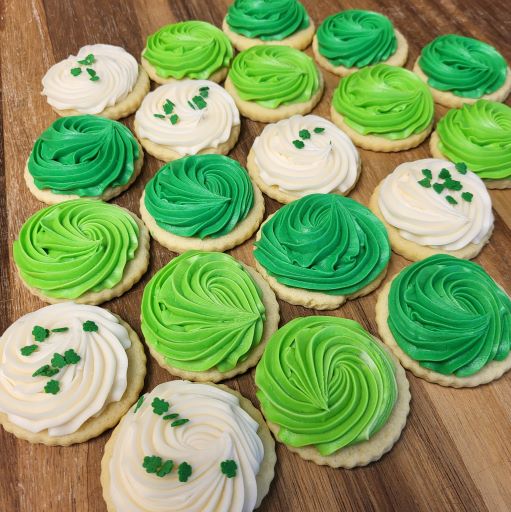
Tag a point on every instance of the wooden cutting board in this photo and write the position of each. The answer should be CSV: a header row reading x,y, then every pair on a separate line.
x,y
455,452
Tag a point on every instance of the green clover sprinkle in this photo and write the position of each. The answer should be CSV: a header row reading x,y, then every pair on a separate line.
x,y
467,196
90,59
168,107
174,118
438,187
304,134
200,102
427,173
71,356
204,91
424,183
160,406
159,116
60,329
298,144
45,371
318,129
140,401
40,333
444,174
170,416
58,361
26,351
184,471
93,76
178,423
451,184
90,326
76,71
52,386
152,463
191,104
451,200
461,167
229,468
165,468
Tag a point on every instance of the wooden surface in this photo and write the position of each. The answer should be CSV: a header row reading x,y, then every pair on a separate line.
x,y
455,452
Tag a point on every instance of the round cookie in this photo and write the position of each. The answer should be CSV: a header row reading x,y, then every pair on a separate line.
x,y
303,155
204,202
480,135
100,79
224,455
187,117
383,108
188,49
271,82
85,251
321,250
432,206
83,156
352,39
331,392
461,70
207,317
68,372
447,322
284,22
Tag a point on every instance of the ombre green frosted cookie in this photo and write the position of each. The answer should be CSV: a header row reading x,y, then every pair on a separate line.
x,y
331,392
83,250
207,317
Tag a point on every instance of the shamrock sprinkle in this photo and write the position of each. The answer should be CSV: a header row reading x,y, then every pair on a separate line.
x,y
58,361
178,423
451,184
318,129
298,144
304,134
424,183
60,329
199,102
160,406
90,326
71,356
444,174
451,200
26,351
52,386
165,468
461,167
40,333
184,471
438,187
90,59
170,416
467,196
159,116
229,468
93,76
45,371
140,401
168,107
174,118
204,91
427,173
154,464
76,71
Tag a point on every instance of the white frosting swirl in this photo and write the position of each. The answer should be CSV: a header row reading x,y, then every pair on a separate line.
x,y
328,161
196,129
425,217
117,71
85,388
219,429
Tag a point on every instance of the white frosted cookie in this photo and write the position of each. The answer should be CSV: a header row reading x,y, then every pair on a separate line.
x,y
433,206
67,373
100,79
192,448
303,155
187,117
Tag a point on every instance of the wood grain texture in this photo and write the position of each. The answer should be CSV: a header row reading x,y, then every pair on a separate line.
x,y
454,454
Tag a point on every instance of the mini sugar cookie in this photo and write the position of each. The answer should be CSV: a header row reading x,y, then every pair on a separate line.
x,y
321,250
432,206
84,250
189,49
447,321
271,82
303,155
68,372
187,117
462,70
194,446
383,108
331,392
83,156
480,135
285,22
204,202
100,79
207,317
352,39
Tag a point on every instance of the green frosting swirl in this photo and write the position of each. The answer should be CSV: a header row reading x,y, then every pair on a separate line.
x,y
386,101
83,155
268,20
189,49
325,382
201,311
75,247
200,196
464,66
355,38
274,75
325,243
480,135
449,315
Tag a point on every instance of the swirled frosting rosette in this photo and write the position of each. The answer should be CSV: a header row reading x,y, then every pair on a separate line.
x,y
189,49
321,249
83,156
83,250
480,135
216,456
447,321
326,385
207,317
67,373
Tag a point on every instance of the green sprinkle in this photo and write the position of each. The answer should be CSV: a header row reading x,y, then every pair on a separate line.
x,y
90,326
71,356
26,351
451,200
229,468
152,463
191,105
58,361
170,416
444,174
304,134
467,196
319,130
453,184
159,116
298,144
424,183
76,71
200,102
174,118
90,59
165,468
93,76
204,91
184,471
168,107
40,333
438,187
140,401
178,423
160,406
60,329
427,173
52,386
461,167
45,371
